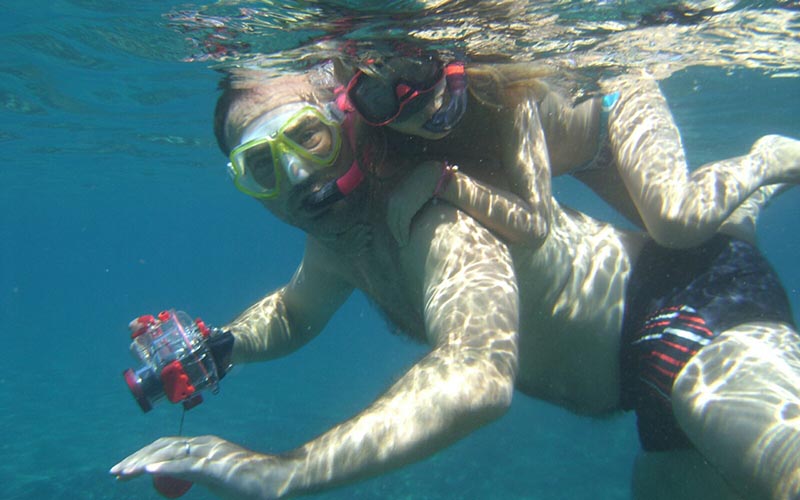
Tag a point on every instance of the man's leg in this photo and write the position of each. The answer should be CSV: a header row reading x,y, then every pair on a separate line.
x,y
738,401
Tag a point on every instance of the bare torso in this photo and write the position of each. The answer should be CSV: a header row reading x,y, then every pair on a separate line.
x,y
571,303
572,296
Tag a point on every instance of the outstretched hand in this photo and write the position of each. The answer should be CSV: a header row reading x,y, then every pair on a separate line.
x,y
226,469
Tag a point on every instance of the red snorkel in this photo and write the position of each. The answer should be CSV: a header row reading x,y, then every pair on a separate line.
x,y
350,180
337,189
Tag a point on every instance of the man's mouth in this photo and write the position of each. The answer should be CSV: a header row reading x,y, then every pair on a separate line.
x,y
319,197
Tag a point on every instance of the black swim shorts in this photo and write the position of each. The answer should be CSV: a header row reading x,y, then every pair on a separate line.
x,y
678,301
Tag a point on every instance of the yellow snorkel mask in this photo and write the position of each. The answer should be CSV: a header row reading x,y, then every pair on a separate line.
x,y
290,142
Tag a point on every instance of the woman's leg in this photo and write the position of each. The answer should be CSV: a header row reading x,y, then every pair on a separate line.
x,y
741,223
679,207
738,401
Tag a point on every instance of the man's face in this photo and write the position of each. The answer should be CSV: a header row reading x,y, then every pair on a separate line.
x,y
287,152
325,223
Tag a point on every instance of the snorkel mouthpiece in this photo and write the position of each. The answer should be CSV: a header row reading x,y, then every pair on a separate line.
x,y
328,194
336,189
447,117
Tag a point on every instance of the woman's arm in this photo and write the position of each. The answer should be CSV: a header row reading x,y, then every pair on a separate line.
x,y
521,217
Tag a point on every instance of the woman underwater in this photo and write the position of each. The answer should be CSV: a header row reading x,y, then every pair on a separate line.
x,y
624,145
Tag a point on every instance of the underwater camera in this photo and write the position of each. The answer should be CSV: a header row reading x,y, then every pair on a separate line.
x,y
176,357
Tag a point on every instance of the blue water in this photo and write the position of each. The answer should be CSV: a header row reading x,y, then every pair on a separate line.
x,y
114,203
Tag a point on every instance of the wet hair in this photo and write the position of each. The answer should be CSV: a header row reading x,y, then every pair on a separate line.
x,y
249,92
221,112
494,84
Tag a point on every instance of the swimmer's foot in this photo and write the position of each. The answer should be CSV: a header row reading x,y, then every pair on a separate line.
x,y
782,157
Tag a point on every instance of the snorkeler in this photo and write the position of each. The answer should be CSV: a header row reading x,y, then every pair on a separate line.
x,y
624,145
734,400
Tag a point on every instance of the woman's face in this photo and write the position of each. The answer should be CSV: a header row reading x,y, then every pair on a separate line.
x,y
412,122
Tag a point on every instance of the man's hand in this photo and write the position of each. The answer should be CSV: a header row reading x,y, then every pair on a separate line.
x,y
227,470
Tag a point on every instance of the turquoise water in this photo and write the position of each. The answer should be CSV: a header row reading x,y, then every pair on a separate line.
x,y
115,203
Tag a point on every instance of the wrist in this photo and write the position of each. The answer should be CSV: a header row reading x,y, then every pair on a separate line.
x,y
448,172
220,343
271,476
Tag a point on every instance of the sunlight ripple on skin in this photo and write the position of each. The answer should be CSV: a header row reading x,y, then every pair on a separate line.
x,y
687,206
720,378
465,280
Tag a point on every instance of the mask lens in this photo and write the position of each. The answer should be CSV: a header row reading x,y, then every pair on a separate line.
x,y
312,137
380,98
374,99
254,169
259,165
422,75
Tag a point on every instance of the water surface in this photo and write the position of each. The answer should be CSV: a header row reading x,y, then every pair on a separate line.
x,y
114,202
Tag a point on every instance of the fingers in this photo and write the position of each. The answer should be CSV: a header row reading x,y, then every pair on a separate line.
x,y
403,206
409,198
153,457
354,240
363,237
179,468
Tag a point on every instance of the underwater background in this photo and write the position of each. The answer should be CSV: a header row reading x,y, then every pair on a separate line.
x,y
114,202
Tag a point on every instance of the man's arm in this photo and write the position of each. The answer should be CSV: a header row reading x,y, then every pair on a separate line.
x,y
464,382
463,279
291,316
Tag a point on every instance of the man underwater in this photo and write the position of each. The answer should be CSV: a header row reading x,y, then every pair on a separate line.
x,y
554,329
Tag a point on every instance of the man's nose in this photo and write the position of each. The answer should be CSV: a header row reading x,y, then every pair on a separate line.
x,y
296,169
